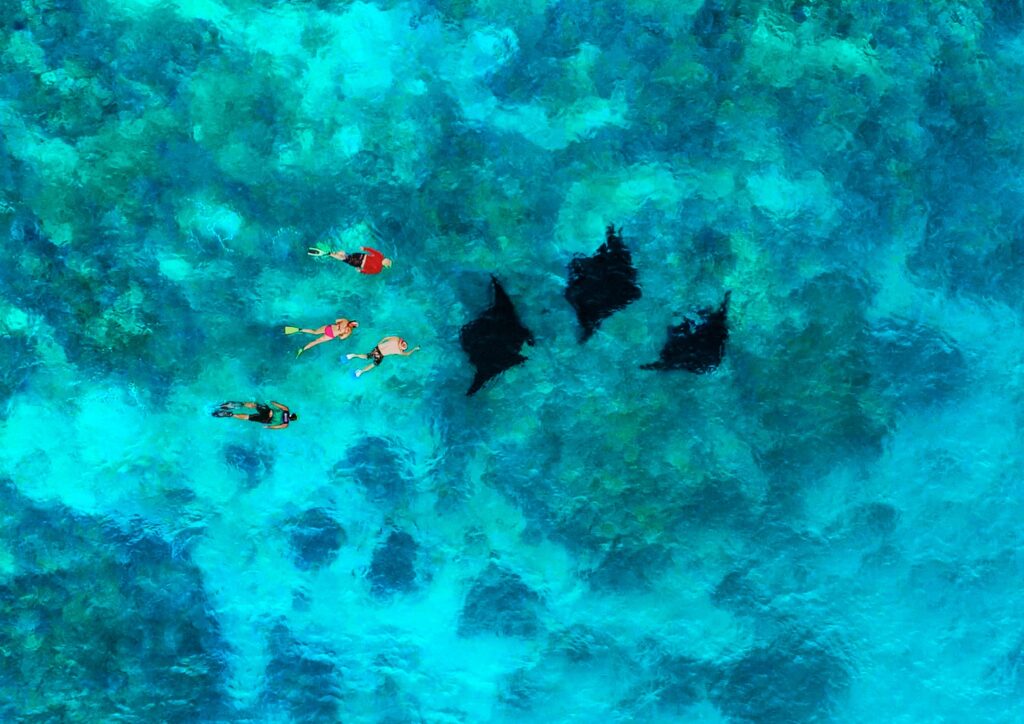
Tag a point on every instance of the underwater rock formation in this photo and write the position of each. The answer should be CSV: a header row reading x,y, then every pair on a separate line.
x,y
380,466
627,567
109,621
602,284
500,603
17,359
301,684
794,679
315,538
493,340
393,567
695,346
253,462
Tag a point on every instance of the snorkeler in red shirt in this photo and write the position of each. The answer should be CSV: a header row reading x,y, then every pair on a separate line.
x,y
368,261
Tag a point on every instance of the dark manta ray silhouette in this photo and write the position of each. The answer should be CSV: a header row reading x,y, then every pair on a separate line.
x,y
493,339
695,346
602,284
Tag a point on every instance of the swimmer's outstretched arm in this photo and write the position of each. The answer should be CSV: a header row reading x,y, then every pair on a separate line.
x,y
275,427
279,406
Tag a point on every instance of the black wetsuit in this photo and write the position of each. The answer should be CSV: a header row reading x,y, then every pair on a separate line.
x,y
263,415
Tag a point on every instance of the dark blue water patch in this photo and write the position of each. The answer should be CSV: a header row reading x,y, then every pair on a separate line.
x,y
393,566
115,621
389,702
627,61
914,365
255,462
1007,15
737,592
315,539
380,466
710,22
149,339
628,567
499,602
671,685
301,682
868,529
17,360
717,502
517,690
795,679
539,497
581,643
807,384
713,251
572,22
525,77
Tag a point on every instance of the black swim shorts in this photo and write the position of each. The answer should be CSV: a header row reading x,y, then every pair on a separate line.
x,y
355,259
376,355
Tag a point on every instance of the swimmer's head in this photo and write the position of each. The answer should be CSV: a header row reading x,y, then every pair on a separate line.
x,y
386,263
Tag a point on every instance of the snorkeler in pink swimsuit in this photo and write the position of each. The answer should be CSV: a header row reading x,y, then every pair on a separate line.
x,y
341,329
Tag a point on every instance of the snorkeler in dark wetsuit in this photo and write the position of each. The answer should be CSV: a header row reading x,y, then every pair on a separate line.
x,y
264,413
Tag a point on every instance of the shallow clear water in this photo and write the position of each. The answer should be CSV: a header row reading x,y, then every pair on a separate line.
x,y
827,527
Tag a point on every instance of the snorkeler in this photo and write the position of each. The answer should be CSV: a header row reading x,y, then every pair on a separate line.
x,y
341,329
264,413
387,346
367,261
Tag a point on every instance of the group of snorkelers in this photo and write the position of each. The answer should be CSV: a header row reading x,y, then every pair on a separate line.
x,y
276,416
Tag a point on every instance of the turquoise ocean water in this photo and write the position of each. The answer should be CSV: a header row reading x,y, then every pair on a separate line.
x,y
828,527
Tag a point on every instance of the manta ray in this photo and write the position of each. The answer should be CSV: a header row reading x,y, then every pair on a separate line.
x,y
493,339
695,346
602,284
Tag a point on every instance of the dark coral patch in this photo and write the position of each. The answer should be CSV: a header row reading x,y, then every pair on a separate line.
x,y
315,538
393,568
105,620
380,466
302,684
499,602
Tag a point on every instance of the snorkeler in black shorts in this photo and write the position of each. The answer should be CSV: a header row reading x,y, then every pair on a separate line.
x,y
264,413
387,346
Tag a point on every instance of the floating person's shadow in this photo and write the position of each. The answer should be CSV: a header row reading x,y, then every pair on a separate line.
x,y
696,345
602,284
494,339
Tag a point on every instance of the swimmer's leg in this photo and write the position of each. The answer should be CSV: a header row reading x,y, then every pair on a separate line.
x,y
314,343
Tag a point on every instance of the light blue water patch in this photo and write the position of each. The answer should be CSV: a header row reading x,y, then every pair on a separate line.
x,y
824,526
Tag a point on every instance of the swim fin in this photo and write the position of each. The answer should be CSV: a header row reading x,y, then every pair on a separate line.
x,y
299,353
222,413
313,251
291,330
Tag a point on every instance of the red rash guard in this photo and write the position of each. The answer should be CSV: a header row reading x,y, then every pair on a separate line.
x,y
373,262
